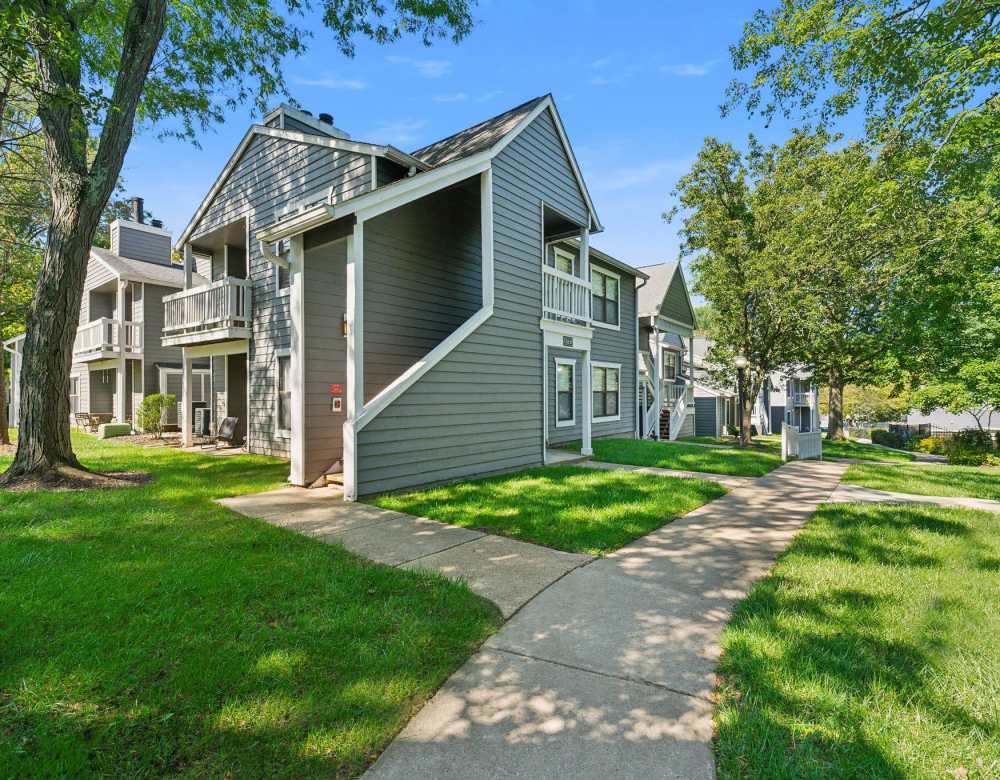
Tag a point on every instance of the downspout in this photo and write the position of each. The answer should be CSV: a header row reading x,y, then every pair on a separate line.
x,y
639,405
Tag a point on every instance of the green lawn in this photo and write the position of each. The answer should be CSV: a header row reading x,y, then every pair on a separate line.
x,y
831,449
869,652
566,507
150,632
970,481
688,457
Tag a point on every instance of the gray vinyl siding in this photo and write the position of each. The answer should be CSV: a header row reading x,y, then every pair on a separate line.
x,y
422,281
618,346
777,418
675,303
706,416
574,432
479,410
325,354
153,351
142,245
271,172
102,390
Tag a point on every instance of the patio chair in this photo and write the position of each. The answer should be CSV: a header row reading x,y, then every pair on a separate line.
x,y
82,420
226,432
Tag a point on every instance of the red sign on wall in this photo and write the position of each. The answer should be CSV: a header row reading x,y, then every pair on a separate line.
x,y
336,389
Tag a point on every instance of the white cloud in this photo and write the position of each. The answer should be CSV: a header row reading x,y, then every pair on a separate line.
x,y
653,171
605,81
331,82
602,62
452,97
401,133
487,96
689,68
429,69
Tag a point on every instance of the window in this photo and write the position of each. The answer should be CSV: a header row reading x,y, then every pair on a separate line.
x,y
565,261
604,385
284,380
604,288
74,394
283,279
565,393
671,364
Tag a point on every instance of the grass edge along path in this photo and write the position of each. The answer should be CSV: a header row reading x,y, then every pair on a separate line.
x,y
570,508
149,631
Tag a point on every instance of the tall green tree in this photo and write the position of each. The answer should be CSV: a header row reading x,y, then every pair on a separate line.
x,y
101,68
732,214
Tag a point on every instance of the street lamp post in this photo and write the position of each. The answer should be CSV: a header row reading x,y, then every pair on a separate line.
x,y
741,366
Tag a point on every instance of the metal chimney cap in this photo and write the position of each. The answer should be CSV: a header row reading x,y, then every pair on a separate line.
x,y
157,223
326,118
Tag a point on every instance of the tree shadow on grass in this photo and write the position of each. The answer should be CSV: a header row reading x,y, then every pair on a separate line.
x,y
808,674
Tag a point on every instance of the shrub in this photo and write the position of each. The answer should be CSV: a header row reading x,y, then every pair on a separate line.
x,y
153,411
969,448
888,439
935,445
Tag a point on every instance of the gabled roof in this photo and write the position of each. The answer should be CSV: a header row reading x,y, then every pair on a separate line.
x,y
461,155
651,295
330,142
142,271
477,138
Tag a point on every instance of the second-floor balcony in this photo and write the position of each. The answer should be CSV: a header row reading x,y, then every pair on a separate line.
x,y
220,311
800,399
101,340
565,296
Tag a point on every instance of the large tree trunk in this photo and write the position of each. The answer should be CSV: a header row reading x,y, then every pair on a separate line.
x,y
835,425
79,195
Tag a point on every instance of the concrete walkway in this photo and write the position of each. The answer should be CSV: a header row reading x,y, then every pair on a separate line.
x,y
857,493
608,671
505,571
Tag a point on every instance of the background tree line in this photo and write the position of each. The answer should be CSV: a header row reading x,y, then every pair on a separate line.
x,y
872,261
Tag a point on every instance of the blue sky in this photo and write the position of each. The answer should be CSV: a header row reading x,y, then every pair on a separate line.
x,y
638,86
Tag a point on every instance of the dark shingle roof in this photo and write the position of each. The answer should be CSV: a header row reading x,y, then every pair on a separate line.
x,y
476,138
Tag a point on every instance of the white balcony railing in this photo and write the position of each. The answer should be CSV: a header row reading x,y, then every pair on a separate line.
x,y
565,295
672,392
222,304
101,335
801,399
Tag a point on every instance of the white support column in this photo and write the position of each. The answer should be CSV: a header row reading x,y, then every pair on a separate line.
x,y
486,227
355,357
585,265
188,263
657,380
296,264
119,326
187,394
545,400
588,403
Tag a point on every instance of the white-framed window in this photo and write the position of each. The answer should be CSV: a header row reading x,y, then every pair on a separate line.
x,y
671,364
74,394
605,384
563,260
283,393
605,289
565,393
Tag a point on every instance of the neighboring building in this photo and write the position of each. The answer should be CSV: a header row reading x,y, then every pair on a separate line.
x,y
666,349
117,356
716,408
405,319
792,399
15,347
941,420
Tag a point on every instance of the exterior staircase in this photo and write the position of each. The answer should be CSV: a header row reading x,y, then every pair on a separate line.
x,y
665,424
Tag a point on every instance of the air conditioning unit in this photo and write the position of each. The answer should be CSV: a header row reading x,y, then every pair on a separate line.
x,y
202,422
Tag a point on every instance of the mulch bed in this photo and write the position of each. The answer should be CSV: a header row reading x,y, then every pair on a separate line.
x,y
144,440
67,479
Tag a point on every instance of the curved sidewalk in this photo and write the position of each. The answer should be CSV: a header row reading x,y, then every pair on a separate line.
x,y
609,671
